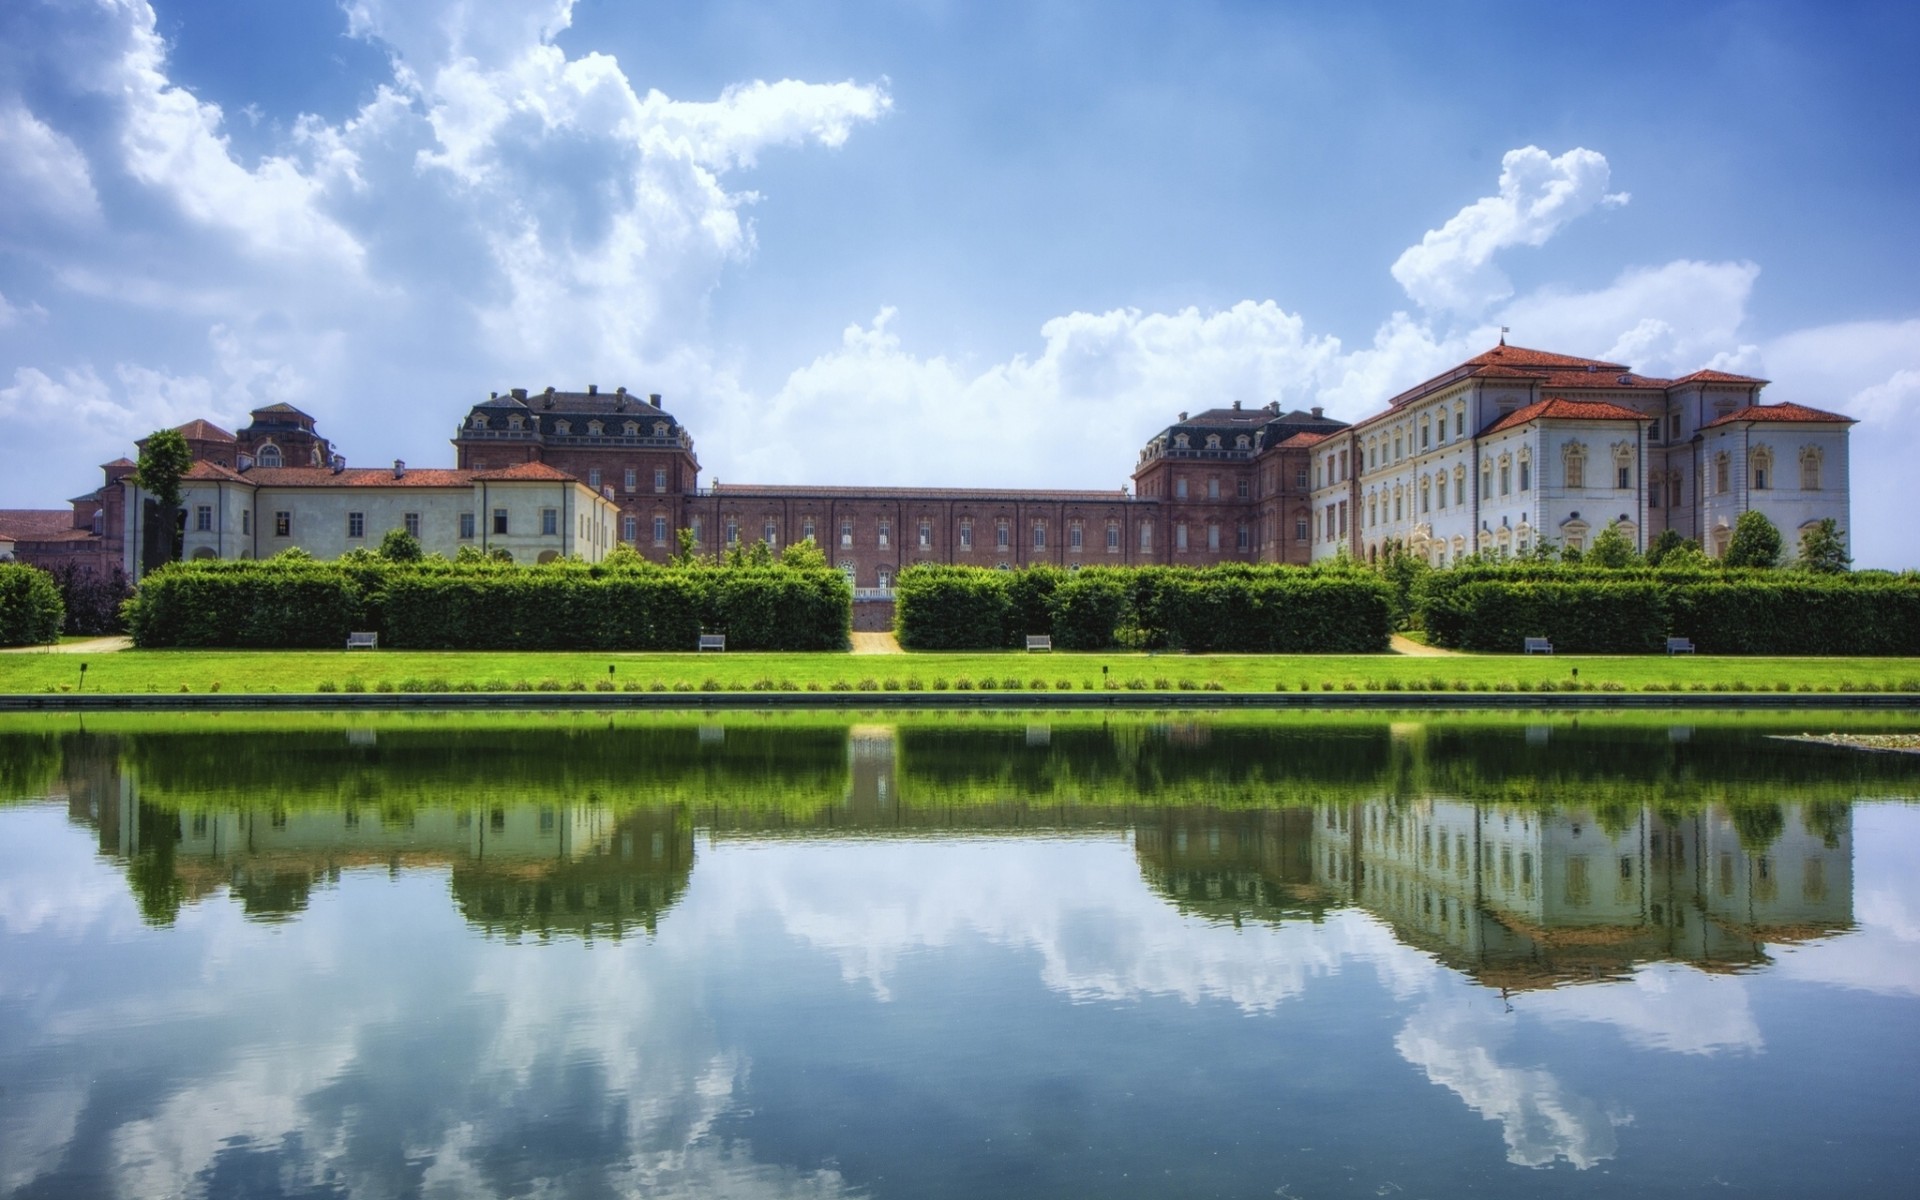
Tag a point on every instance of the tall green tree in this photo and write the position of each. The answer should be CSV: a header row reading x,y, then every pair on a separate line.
x,y
1612,549
400,546
1823,548
1756,542
164,462
1665,544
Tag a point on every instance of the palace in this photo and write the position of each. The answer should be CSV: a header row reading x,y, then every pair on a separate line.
x,y
1510,449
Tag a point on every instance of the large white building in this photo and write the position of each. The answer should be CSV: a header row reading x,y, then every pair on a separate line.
x,y
1514,446
533,512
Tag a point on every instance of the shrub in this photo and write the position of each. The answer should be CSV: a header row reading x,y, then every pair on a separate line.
x,y
31,610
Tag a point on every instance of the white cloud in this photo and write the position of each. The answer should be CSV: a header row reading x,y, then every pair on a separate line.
x,y
42,173
1452,268
1665,1006
1668,319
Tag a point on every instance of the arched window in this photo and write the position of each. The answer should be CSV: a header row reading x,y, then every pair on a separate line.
x,y
1722,474
1242,442
270,455
1760,467
1810,457
1213,441
1574,455
594,428
563,427
659,429
1180,441
631,429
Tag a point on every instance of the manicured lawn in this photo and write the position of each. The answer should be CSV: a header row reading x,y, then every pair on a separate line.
x,y
139,671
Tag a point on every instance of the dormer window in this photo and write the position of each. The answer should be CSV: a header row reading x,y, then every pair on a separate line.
x,y
563,427
516,422
1242,442
594,428
1180,441
659,429
1213,441
477,421
632,428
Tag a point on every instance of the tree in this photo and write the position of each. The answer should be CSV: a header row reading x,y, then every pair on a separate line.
x,y
1612,549
1403,572
687,548
1823,548
401,547
164,461
1668,541
805,555
1756,542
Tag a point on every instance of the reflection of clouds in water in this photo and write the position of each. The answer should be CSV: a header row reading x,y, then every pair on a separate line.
x,y
1883,954
1664,1006
1080,906
297,1055
1542,1121
51,882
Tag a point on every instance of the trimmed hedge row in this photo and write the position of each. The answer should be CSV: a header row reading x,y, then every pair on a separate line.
x,y
1226,609
1634,611
489,606
31,611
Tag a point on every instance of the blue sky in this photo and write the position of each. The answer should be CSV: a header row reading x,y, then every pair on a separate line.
x,y
929,242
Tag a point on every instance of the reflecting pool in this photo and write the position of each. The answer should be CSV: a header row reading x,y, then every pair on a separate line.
x,y
975,955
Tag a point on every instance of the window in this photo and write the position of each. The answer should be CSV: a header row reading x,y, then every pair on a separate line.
x,y
1039,536
1426,497
1721,471
1623,478
466,526
411,523
1213,441
1575,457
1180,537
1762,468
1113,538
595,429
356,525
926,535
1397,514
631,429
1073,537
659,530
1425,430
1506,477
883,577
283,524
1810,469
698,528
1180,488
1146,537
1760,477
966,535
659,479
562,427
886,531
1241,539
632,479
549,522
770,533
1460,422
499,520
1526,474
1300,478
593,479
630,528
246,521
203,518
270,455
733,531
846,533
1300,528
1673,427
806,529
1002,536
1459,485
1240,489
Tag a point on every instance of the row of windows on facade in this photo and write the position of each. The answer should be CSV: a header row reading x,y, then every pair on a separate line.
x,y
357,523
564,427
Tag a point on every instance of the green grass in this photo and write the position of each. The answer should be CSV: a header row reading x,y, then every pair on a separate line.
x,y
152,671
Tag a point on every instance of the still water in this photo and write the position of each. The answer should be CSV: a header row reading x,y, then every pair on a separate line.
x,y
538,955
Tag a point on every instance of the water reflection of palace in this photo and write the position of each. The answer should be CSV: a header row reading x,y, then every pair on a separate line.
x,y
1523,898
1231,824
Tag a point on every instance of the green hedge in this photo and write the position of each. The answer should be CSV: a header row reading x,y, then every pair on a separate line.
x,y
488,606
31,611
1229,609
1634,610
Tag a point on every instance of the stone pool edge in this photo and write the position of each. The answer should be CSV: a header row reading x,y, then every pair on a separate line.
x,y
935,701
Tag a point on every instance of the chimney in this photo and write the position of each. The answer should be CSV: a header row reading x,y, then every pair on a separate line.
x,y
399,469
1183,416
339,463
548,396
493,395
1236,406
653,398
519,393
1319,413
593,389
621,390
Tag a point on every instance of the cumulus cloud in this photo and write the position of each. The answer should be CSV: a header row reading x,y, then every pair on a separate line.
x,y
1452,268
43,175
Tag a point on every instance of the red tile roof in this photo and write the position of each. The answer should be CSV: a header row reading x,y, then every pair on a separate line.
x,y
203,431
1521,356
521,472
911,493
1300,441
205,470
36,524
1782,412
1564,410
1717,377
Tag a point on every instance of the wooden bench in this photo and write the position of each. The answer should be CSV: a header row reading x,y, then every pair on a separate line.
x,y
713,641
363,641
1538,646
1679,645
1039,641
